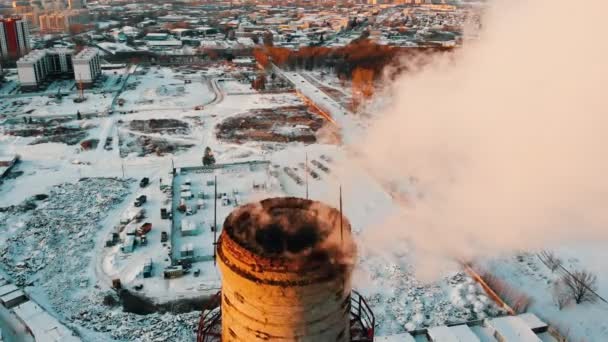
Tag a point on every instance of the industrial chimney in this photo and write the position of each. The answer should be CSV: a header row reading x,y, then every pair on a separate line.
x,y
286,265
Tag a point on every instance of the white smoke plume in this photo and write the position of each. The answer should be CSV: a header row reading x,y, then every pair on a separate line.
x,y
507,138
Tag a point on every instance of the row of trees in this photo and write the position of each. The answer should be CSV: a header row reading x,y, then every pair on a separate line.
x,y
360,54
576,286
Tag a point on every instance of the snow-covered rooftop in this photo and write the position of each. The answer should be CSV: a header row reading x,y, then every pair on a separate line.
x,y
442,334
513,329
533,321
44,326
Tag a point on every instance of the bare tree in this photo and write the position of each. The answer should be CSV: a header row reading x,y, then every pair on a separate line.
x,y
580,285
561,297
514,297
552,261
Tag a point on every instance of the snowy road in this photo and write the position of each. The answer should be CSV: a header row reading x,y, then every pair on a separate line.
x,y
106,129
342,116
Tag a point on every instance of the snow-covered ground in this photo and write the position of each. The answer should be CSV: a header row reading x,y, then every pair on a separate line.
x,y
69,269
165,88
399,300
526,272
236,87
94,104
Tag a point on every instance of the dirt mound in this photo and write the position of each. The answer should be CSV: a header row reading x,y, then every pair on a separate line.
x,y
282,124
145,145
163,126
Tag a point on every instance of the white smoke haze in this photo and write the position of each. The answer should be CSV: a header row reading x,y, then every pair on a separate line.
x,y
507,138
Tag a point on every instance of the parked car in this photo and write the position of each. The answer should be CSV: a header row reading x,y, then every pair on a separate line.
x,y
144,182
164,236
164,213
144,229
139,201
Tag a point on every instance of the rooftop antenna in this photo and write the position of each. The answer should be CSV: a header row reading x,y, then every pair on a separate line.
x,y
215,221
306,174
342,231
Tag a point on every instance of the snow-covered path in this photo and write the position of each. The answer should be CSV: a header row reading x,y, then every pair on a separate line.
x,y
342,116
106,129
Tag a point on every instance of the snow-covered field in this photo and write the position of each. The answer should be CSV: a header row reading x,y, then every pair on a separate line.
x,y
58,250
579,322
236,87
165,88
94,104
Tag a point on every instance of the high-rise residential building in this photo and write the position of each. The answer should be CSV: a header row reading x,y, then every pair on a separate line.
x,y
31,18
53,5
14,37
75,4
87,66
39,65
53,22
20,4
63,20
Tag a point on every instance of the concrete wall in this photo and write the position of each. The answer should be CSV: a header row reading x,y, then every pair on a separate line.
x,y
27,77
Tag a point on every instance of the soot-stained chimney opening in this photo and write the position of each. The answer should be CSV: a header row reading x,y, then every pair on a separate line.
x,y
291,228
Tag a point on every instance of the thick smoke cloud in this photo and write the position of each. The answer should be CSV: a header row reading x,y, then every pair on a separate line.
x,y
507,139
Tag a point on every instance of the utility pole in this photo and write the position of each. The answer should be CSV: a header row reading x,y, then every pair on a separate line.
x,y
341,218
215,221
306,174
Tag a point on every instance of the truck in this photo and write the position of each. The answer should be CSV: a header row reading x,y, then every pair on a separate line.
x,y
144,229
173,272
164,213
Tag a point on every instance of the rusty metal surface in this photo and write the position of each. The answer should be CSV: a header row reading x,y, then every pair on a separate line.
x,y
362,322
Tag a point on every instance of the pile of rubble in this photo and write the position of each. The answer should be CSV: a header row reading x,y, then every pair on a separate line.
x,y
281,124
160,126
119,325
70,135
61,230
402,303
144,145
51,248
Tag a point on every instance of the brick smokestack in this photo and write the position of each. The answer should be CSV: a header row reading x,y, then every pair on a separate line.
x,y
286,272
